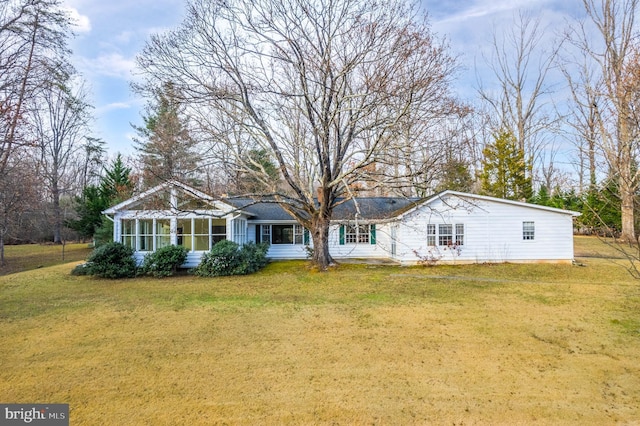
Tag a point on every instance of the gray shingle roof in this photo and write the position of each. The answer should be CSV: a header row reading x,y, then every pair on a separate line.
x,y
370,208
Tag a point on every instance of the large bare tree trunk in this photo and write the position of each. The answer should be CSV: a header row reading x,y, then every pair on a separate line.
x,y
627,198
320,236
627,185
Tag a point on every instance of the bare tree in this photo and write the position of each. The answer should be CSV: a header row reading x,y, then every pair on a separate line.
x,y
18,191
59,120
521,63
614,90
582,118
322,87
33,36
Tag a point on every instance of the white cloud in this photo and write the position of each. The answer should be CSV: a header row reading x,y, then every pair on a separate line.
x,y
109,64
484,8
114,106
81,22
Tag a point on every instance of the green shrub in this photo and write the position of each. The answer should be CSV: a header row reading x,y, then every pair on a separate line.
x,y
80,270
253,257
111,260
165,261
228,258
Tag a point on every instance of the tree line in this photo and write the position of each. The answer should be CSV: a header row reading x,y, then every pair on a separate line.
x,y
310,103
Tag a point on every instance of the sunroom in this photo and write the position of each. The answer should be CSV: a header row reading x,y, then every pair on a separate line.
x,y
174,214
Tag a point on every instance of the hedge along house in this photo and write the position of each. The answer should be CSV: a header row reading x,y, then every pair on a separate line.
x,y
450,227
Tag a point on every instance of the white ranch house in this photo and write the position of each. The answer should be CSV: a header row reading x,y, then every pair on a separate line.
x,y
449,227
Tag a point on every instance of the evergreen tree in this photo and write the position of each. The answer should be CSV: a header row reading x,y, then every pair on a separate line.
x,y
166,149
601,211
266,178
89,208
504,169
115,186
455,176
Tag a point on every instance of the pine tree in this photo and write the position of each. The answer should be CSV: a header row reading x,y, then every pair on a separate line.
x,y
504,169
166,149
114,187
455,175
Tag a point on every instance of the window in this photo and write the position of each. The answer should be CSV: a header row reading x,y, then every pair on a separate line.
x,y
145,235
265,235
445,234
163,233
431,234
128,234
193,234
185,238
528,230
284,234
298,234
459,234
239,230
351,233
358,234
218,230
201,234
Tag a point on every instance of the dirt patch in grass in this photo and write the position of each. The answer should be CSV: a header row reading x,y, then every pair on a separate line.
x,y
545,344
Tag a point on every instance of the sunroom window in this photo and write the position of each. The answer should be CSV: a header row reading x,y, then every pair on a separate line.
x,y
193,234
128,234
201,234
185,237
218,230
145,235
163,233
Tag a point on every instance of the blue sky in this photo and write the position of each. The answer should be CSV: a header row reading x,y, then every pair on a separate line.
x,y
111,33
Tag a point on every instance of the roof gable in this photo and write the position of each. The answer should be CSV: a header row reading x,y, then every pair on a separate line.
x,y
159,198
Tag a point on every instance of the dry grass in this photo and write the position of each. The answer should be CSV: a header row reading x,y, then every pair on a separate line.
x,y
477,344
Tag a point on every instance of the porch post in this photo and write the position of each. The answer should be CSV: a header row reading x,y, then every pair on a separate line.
x,y
173,231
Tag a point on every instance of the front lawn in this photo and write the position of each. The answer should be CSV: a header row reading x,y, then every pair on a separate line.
x,y
477,344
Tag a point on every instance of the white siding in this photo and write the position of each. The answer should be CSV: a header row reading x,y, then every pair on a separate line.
x,y
380,250
493,233
280,251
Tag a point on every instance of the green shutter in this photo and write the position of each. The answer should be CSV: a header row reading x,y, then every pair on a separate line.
x,y
305,236
341,235
372,233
